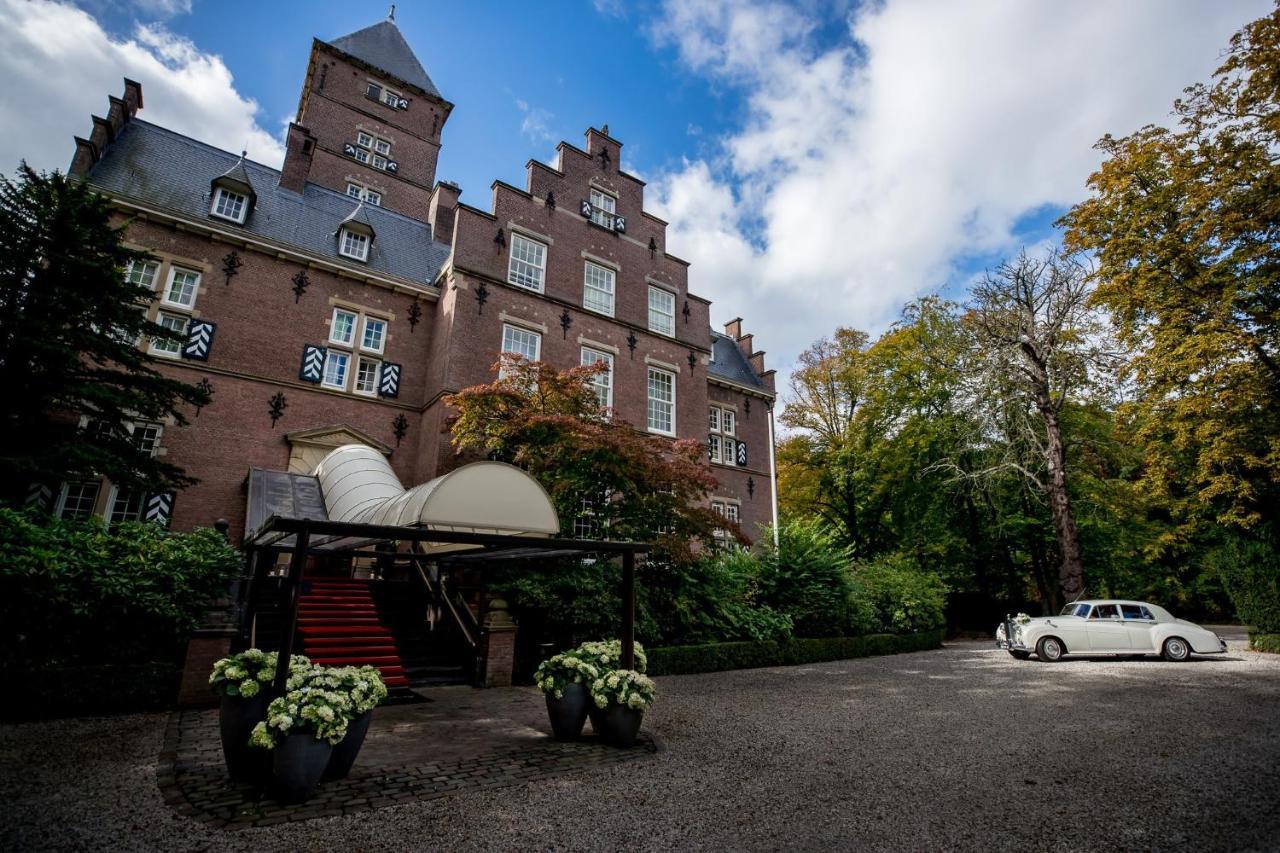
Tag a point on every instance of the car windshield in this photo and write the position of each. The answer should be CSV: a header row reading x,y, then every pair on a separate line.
x,y
1075,610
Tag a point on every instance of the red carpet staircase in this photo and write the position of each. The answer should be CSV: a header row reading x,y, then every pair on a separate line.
x,y
339,626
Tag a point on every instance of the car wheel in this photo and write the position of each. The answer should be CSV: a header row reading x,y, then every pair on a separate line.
x,y
1050,649
1176,649
1019,654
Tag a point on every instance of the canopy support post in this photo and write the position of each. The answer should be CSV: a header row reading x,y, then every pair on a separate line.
x,y
628,610
293,585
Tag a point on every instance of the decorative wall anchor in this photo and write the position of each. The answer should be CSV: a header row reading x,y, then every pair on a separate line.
x,y
604,158
551,200
300,284
231,266
746,407
205,387
693,360
415,314
482,296
565,322
278,404
653,248
500,239
631,344
685,311
399,427
751,488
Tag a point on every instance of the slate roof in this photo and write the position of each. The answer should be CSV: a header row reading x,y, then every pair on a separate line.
x,y
382,46
728,362
174,172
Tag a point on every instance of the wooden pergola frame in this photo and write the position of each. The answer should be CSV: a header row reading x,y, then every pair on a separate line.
x,y
311,536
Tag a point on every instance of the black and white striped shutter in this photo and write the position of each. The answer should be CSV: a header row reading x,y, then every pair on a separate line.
x,y
199,340
312,369
585,208
620,224
742,453
39,496
160,508
390,384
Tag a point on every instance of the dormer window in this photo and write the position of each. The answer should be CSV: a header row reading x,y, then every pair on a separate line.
x,y
353,244
230,205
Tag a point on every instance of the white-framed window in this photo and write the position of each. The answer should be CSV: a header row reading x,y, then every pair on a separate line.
x,y
662,311
76,500
601,383
142,272
603,207
182,288
353,245
528,265
597,288
588,522
176,323
126,505
521,342
363,193
336,364
721,446
374,338
662,401
342,330
390,98
147,437
230,205
724,509
372,150
367,370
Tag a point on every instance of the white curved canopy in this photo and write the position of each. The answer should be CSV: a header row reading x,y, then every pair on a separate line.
x,y
484,497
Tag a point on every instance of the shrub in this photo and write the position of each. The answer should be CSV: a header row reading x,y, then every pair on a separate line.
x,y
897,597
806,578
715,657
1264,642
78,592
1250,570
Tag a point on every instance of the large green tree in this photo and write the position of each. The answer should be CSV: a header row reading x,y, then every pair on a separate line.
x,y
1185,225
69,327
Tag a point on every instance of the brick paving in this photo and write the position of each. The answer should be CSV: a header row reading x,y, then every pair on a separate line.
x,y
415,752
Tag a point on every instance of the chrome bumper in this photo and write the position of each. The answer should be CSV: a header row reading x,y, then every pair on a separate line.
x,y
1004,640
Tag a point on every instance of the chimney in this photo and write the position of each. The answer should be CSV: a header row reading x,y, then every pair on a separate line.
x,y
733,328
745,343
300,147
89,151
757,362
443,210
132,97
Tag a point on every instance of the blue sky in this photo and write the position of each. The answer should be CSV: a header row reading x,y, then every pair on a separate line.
x,y
821,161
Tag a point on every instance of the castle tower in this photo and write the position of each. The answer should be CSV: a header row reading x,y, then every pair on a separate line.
x,y
369,122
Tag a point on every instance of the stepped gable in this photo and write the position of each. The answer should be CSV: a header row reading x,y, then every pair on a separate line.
x,y
381,46
156,166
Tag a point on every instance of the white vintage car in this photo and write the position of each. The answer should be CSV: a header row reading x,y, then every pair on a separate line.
x,y
1106,628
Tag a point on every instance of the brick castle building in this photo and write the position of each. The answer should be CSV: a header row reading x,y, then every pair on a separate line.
x,y
340,298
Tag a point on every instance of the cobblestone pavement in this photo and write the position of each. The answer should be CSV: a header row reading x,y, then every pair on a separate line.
x,y
958,749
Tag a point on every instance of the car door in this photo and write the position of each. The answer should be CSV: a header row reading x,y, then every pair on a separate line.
x,y
1105,629
1139,622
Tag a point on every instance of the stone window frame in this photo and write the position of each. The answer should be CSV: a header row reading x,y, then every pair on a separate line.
x,y
651,400
722,442
364,192
602,214
605,272
105,499
513,271
653,288
161,280
373,148
356,354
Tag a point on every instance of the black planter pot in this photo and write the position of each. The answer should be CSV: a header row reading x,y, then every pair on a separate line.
x,y
297,766
569,713
236,718
621,725
597,717
344,754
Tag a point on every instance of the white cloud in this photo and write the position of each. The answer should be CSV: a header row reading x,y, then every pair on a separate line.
x,y
59,66
535,122
866,171
163,8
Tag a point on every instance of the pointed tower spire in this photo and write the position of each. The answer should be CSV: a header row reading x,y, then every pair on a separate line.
x,y
383,47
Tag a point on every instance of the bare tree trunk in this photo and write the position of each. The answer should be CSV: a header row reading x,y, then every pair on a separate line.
x,y
1071,571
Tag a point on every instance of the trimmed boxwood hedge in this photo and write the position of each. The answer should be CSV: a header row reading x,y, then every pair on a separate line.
x,y
1261,642
715,657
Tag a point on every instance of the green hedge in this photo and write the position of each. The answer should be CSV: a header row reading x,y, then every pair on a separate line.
x,y
1261,642
715,657
82,690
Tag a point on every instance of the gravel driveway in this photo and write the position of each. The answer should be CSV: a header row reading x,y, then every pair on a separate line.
x,y
962,748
